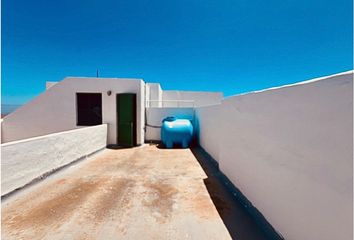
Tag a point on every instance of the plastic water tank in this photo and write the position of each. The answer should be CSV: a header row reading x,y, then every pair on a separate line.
x,y
176,131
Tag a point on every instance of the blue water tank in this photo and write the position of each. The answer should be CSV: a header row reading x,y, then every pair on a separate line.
x,y
178,131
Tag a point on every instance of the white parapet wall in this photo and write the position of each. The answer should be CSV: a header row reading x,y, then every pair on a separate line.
x,y
153,94
154,117
190,99
25,160
208,124
290,152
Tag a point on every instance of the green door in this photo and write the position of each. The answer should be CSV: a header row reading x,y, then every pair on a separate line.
x,y
126,114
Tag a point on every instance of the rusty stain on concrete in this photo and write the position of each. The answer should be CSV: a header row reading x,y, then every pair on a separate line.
x,y
114,196
161,200
138,193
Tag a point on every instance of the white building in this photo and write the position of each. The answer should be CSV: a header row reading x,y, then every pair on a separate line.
x,y
79,101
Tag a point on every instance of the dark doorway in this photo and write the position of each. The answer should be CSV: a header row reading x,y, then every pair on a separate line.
x,y
126,123
89,109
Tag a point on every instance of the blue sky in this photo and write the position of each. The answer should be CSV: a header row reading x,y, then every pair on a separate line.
x,y
233,46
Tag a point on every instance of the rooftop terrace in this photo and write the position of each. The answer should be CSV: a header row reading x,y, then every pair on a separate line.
x,y
280,157
140,193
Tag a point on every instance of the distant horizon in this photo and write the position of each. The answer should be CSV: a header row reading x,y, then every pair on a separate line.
x,y
9,108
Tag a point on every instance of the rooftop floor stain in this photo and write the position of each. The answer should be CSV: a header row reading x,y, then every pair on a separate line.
x,y
137,193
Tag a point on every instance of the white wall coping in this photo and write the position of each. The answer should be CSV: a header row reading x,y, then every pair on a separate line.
x,y
50,135
292,84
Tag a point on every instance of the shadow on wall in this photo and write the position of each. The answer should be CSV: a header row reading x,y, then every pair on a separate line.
x,y
236,219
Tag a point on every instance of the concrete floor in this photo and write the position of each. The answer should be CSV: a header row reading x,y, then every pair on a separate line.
x,y
138,193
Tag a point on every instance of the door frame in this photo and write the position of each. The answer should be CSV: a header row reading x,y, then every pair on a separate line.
x,y
134,117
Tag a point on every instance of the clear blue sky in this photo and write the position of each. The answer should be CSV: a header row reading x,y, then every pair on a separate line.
x,y
232,46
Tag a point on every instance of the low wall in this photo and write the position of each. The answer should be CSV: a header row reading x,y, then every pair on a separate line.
x,y
290,152
199,98
154,117
24,160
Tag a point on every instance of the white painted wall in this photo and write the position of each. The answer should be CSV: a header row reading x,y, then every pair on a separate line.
x,y
25,160
154,117
290,151
199,98
55,109
140,121
154,97
208,123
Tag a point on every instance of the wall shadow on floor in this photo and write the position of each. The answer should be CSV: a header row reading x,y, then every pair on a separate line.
x,y
237,220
